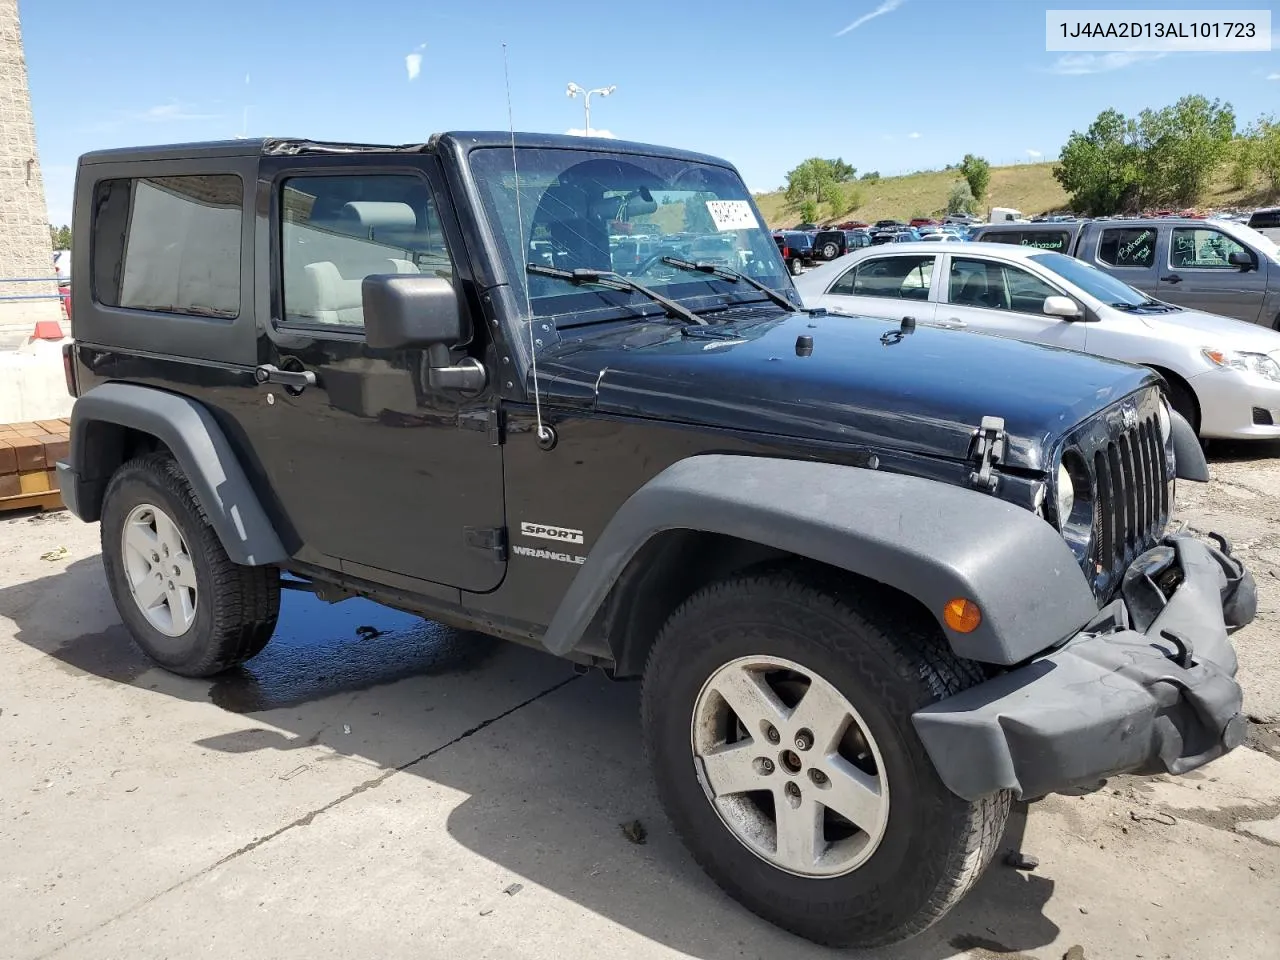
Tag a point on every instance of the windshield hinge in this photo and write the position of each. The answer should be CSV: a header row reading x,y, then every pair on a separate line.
x,y
988,448
491,539
490,421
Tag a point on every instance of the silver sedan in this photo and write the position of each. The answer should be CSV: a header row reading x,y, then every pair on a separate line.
x,y
1223,375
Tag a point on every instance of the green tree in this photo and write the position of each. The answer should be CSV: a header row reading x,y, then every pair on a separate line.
x,y
977,173
809,211
1100,167
62,238
697,218
960,199
1267,150
1244,159
871,175
1180,148
818,182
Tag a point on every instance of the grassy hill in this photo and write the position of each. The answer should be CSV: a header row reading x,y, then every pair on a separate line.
x,y
1028,187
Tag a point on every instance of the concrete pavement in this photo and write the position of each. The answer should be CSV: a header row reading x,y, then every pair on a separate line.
x,y
428,793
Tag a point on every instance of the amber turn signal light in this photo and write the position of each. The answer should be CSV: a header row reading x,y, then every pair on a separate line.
x,y
962,615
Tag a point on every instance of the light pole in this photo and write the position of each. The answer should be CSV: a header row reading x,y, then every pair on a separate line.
x,y
574,90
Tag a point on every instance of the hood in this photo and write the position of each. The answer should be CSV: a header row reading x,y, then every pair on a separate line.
x,y
1210,330
862,384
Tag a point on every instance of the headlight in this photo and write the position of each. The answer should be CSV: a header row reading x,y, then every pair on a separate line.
x,y
1066,496
1258,363
1162,417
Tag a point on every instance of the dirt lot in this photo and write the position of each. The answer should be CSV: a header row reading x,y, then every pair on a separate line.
x,y
420,793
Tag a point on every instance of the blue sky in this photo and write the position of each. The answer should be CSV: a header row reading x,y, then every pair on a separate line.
x,y
889,85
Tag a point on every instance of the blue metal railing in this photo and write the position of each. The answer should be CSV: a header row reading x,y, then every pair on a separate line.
x,y
31,296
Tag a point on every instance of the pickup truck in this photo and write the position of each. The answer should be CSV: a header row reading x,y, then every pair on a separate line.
x,y
1214,266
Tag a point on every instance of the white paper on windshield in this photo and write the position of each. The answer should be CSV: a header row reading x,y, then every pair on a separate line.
x,y
732,215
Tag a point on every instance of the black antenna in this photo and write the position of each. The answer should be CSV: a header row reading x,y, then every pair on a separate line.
x,y
543,433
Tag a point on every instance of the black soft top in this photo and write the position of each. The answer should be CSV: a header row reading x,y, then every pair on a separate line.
x,y
460,141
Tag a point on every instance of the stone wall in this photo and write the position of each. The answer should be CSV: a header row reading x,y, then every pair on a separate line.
x,y
25,247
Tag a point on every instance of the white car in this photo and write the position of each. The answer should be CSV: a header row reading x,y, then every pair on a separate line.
x,y
1223,375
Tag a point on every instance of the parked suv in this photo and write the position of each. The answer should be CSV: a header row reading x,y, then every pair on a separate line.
x,y
796,249
878,582
830,244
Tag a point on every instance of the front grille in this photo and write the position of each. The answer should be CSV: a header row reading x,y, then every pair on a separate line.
x,y
1131,500
1262,417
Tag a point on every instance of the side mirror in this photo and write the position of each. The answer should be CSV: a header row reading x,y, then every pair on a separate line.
x,y
410,310
1242,259
1063,307
403,311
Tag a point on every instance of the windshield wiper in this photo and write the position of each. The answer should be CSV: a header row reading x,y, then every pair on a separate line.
x,y
607,278
724,273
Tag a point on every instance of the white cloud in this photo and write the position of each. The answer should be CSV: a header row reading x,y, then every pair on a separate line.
x,y
595,132
413,61
1034,153
170,112
913,136
888,6
1273,76
1078,64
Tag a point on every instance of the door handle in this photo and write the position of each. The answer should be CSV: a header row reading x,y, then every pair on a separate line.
x,y
293,379
955,323
1171,278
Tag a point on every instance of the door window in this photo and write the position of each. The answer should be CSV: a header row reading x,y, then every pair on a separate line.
x,y
1128,247
169,244
1201,248
996,286
337,230
901,278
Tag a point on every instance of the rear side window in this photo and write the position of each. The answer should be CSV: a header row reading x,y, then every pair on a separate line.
x,y
1053,240
1002,236
1128,247
903,278
1265,219
169,244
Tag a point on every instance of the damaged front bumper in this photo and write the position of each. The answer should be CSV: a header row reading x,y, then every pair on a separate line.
x,y
1148,686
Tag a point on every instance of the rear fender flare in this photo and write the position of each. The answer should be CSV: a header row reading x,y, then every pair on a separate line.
x,y
191,434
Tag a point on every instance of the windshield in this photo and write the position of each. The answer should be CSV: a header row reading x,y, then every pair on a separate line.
x,y
1250,237
1092,281
622,213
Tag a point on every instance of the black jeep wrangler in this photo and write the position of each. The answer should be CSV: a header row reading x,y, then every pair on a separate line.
x,y
878,580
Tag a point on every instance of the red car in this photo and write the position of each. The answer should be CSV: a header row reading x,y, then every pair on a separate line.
x,y
64,293
923,222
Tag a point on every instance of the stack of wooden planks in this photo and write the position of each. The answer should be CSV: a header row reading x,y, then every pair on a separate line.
x,y
28,455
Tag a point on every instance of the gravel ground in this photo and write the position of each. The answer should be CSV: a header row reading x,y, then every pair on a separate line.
x,y
411,791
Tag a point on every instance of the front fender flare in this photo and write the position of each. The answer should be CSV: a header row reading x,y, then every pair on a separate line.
x,y
928,539
196,441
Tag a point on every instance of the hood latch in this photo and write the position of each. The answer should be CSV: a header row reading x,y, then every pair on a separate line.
x,y
987,450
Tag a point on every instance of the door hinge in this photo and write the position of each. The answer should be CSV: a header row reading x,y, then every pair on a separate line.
x,y
988,448
492,539
490,421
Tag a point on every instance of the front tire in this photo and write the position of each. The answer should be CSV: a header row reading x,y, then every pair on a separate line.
x,y
838,830
187,605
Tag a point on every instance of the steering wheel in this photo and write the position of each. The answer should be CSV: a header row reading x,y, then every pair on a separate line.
x,y
651,262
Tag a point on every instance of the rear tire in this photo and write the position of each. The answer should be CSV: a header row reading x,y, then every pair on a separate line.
x,y
795,266
829,251
215,614
885,662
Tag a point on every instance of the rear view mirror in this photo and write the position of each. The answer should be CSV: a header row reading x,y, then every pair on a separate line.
x,y
1063,307
1241,259
411,310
